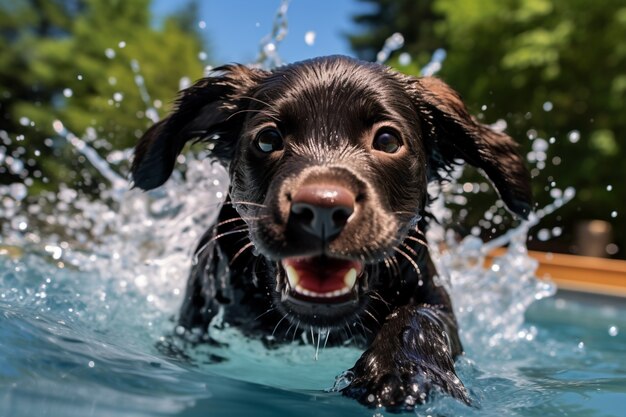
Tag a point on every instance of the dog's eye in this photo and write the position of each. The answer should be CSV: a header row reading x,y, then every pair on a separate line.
x,y
386,141
269,140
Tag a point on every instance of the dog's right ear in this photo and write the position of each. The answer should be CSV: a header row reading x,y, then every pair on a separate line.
x,y
205,111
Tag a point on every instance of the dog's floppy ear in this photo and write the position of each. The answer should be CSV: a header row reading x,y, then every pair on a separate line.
x,y
205,111
452,134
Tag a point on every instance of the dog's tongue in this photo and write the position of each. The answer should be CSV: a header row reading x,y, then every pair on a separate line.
x,y
322,275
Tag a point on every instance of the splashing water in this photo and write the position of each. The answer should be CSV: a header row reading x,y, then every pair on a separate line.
x,y
89,285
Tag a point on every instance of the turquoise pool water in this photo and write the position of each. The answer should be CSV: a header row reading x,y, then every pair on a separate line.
x,y
76,343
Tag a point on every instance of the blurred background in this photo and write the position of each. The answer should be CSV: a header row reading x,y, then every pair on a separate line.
x,y
552,71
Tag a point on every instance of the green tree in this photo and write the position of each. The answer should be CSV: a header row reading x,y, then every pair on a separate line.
x,y
98,66
549,68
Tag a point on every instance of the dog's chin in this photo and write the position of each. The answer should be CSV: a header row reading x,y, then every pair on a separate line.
x,y
321,291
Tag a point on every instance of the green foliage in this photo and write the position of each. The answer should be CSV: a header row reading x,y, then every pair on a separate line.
x,y
547,67
80,62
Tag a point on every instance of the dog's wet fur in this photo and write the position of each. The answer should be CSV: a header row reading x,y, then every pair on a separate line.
x,y
329,161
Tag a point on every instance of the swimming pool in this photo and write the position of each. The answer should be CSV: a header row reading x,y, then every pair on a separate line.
x,y
76,343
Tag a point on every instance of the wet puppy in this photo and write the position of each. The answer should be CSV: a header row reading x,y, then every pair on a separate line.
x,y
323,227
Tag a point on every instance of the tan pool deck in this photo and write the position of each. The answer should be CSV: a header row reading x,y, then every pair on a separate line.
x,y
581,273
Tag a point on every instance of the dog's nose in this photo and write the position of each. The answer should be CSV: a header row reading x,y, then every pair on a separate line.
x,y
322,210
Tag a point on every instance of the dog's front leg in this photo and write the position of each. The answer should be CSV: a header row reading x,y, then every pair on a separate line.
x,y
411,355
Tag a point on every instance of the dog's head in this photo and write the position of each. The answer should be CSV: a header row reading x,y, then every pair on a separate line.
x,y
329,162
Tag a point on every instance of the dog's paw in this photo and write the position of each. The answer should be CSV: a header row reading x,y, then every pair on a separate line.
x,y
403,389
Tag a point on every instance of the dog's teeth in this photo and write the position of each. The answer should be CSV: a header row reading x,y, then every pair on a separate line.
x,y
350,278
292,276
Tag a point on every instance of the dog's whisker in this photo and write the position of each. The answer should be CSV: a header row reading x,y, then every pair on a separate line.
x,y
420,241
269,310
247,203
293,338
242,250
366,311
375,294
261,102
317,348
326,338
278,324
230,232
410,249
257,111
411,261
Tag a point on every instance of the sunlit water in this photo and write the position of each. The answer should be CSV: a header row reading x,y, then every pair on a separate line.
x,y
89,287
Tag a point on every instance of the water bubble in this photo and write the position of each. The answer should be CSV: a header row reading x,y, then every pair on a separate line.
x,y
556,193
540,145
573,136
557,231
613,331
581,345
18,191
202,55
91,364
112,80
269,48
118,96
79,77
547,106
543,235
614,214
67,92
110,53
202,24
24,121
141,281
183,83
612,249
54,250
122,44
609,187
309,38
404,58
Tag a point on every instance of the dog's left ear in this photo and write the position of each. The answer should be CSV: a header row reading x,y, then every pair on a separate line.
x,y
452,134
208,110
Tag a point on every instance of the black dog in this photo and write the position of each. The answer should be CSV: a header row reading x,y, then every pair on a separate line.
x,y
329,160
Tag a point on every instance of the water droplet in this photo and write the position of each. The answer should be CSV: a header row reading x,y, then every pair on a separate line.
x,y
118,96
573,136
614,214
581,345
202,24
122,44
202,55
67,92
613,331
543,235
540,145
18,191
609,187
612,248
547,106
91,364
110,53
79,77
404,58
309,37
24,121
183,83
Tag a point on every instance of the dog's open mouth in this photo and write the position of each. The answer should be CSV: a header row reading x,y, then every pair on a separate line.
x,y
321,279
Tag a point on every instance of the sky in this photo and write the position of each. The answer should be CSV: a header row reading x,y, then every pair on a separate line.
x,y
234,28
